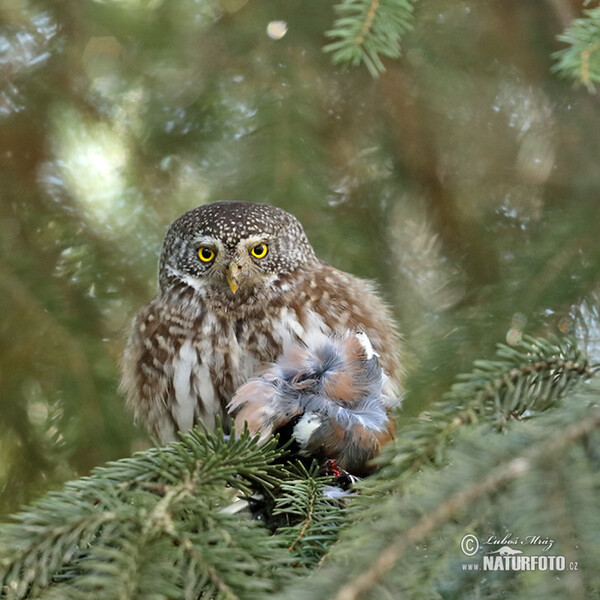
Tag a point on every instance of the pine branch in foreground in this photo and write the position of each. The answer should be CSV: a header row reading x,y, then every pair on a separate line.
x,y
368,29
523,380
150,526
580,61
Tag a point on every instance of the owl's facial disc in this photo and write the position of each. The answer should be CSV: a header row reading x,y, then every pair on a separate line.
x,y
218,264
246,266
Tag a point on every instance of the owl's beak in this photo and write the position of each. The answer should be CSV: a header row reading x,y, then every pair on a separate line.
x,y
233,274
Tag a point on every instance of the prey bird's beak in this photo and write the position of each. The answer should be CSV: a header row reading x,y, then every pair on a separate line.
x,y
233,274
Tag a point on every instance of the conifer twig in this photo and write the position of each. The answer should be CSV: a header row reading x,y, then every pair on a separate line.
x,y
367,24
315,517
521,381
367,30
580,60
585,63
306,524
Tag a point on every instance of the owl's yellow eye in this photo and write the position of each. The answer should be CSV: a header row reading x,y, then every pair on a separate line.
x,y
206,254
259,251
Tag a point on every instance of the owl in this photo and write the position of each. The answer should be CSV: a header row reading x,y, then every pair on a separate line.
x,y
239,286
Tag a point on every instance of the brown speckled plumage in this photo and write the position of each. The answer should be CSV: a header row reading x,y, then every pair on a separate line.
x,y
198,341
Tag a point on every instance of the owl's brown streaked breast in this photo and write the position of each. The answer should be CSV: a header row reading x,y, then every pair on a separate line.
x,y
188,365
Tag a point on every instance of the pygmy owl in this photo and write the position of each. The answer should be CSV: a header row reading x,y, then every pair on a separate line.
x,y
239,286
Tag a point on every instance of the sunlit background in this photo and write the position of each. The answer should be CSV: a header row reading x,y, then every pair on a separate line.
x,y
464,180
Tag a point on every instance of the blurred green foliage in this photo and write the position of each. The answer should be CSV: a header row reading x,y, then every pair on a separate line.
x,y
580,60
464,179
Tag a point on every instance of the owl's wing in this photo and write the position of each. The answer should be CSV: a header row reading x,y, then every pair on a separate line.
x,y
345,302
148,374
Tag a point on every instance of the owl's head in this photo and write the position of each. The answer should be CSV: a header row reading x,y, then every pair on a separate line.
x,y
226,246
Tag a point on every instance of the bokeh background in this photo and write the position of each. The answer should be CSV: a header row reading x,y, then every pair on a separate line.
x,y
464,179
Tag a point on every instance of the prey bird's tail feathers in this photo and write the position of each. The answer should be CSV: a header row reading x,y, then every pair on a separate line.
x,y
327,394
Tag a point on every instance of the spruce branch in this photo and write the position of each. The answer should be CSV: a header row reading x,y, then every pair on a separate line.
x,y
522,381
498,478
530,376
103,533
580,61
314,517
368,29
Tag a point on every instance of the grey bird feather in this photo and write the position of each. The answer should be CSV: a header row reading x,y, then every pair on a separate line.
x,y
329,391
